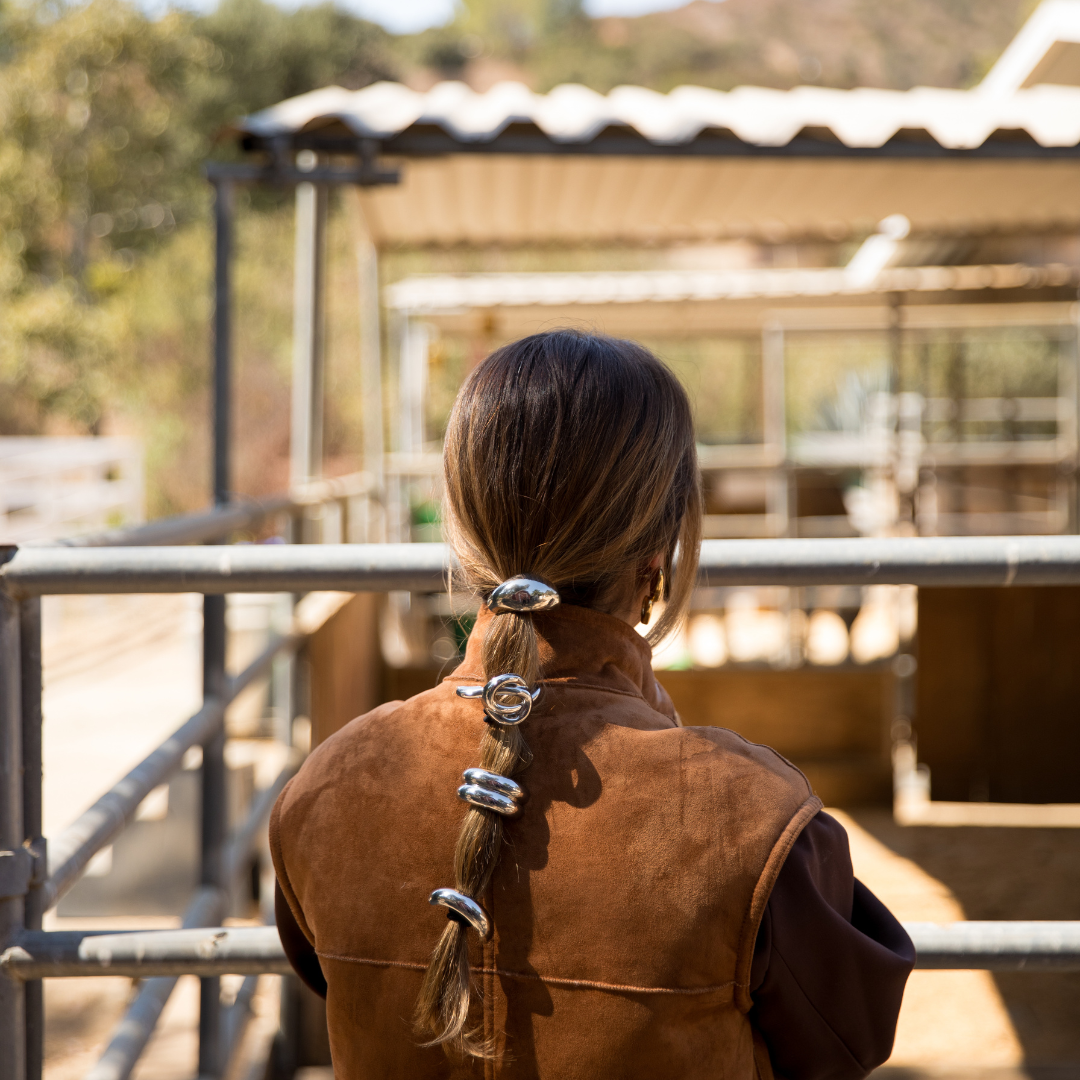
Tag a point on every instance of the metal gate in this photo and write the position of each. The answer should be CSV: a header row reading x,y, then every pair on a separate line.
x,y
32,879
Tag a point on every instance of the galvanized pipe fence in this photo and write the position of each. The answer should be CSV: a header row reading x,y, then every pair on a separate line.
x,y
31,882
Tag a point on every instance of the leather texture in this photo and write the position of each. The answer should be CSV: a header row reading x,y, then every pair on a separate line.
x,y
628,894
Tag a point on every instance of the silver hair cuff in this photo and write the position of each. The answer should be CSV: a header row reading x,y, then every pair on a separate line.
x,y
507,698
522,596
463,906
490,791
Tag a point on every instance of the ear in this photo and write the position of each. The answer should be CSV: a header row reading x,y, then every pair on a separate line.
x,y
648,569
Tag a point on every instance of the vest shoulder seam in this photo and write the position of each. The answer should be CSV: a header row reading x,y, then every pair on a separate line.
x,y
554,980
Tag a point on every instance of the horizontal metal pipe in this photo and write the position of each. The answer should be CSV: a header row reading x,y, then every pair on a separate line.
x,y
248,568
928,561
220,521
130,1036
215,951
992,946
998,946
959,560
183,529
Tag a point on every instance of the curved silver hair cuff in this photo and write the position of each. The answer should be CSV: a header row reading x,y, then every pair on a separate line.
x,y
462,905
522,595
486,799
502,784
507,698
490,791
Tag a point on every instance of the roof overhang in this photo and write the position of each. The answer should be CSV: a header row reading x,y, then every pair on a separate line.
x,y
679,304
574,167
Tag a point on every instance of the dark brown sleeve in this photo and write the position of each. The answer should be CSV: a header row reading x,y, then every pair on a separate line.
x,y
829,965
300,951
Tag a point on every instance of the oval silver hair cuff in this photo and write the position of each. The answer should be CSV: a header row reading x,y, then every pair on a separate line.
x,y
522,595
462,905
486,799
507,698
490,791
502,784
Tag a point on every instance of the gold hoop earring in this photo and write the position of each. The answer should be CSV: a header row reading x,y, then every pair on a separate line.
x,y
652,598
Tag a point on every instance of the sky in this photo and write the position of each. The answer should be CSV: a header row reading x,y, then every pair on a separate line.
x,y
409,16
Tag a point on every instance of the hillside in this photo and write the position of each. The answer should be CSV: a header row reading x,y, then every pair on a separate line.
x,y
778,43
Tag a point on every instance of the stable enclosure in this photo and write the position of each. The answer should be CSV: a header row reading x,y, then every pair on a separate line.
x,y
833,616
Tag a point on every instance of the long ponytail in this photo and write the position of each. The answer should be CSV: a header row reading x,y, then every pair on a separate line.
x,y
443,1005
569,457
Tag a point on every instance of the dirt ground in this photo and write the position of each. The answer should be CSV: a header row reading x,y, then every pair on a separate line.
x,y
82,1013
969,1024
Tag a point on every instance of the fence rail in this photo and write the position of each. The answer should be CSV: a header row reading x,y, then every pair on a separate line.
x,y
989,946
972,561
221,521
30,954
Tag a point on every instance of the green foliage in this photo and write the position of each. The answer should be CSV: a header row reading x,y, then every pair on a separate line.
x,y
97,163
106,117
263,55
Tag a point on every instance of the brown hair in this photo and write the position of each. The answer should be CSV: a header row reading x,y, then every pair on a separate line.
x,y
569,458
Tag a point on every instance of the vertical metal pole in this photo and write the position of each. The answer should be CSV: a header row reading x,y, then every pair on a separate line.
x,y
12,853
412,383
30,679
214,824
905,465
774,423
306,444
370,359
223,214
1068,425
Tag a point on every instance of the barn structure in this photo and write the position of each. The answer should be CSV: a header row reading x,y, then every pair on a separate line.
x,y
963,201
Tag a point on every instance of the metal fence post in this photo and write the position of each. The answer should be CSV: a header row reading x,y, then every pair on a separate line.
x,y
214,806
14,859
30,679
223,226
214,825
306,444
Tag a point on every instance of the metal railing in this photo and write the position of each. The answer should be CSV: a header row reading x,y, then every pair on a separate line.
x,y
32,881
28,887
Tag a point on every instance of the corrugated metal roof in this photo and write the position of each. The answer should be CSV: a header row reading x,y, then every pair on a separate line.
x,y
574,167
575,115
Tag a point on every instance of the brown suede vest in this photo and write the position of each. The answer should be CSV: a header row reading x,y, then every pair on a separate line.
x,y
628,894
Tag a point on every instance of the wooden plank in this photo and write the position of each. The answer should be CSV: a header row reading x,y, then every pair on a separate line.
x,y
346,666
998,699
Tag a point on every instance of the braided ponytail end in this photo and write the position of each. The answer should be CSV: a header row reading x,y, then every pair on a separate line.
x,y
442,1008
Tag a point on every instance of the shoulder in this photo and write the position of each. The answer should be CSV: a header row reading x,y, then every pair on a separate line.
x,y
343,759
733,759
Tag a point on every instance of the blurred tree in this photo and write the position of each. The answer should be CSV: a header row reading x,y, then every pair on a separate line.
x,y
106,117
97,162
264,55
